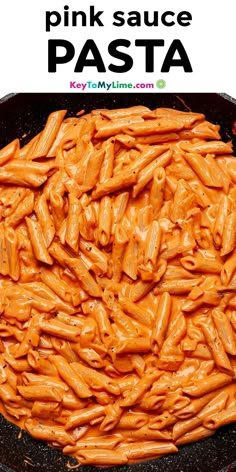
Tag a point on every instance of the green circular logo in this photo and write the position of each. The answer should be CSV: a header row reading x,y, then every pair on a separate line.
x,y
160,83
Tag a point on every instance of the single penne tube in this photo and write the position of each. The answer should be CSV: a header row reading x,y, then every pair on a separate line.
x,y
102,319
91,176
89,222
228,236
11,378
28,170
37,241
194,435
228,269
157,190
19,365
162,421
218,403
223,177
30,379
134,311
217,347
208,297
84,416
72,223
23,153
175,334
119,206
90,356
84,149
63,347
106,170
146,449
177,287
102,442
118,113
140,289
156,138
212,147
153,242
114,126
40,392
114,183
23,209
120,239
57,209
184,426
220,419
208,384
105,221
12,253
104,457
9,151
74,380
147,433
48,135
55,434
62,330
200,264
225,331
4,260
188,118
130,259
45,219
29,179
132,420
154,126
204,130
223,210
161,319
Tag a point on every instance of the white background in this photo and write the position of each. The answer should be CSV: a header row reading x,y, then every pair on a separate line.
x,y
209,42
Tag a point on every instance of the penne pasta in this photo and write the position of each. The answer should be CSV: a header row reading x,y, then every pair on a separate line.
x,y
117,281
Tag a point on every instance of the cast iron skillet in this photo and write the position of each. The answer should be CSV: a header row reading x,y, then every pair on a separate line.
x,y
25,114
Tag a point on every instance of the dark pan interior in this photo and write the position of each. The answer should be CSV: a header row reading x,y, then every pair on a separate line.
x,y
25,115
